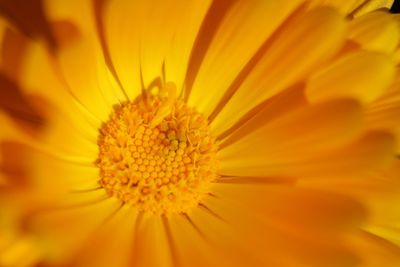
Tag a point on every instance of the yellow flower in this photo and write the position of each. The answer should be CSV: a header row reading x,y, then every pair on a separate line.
x,y
202,133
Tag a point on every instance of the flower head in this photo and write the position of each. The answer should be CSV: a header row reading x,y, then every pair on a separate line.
x,y
202,133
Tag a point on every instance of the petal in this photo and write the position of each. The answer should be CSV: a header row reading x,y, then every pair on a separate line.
x,y
288,138
375,251
268,111
286,61
370,6
355,7
3,27
373,151
116,237
82,17
80,57
3,179
306,210
63,137
145,37
62,232
10,130
23,252
386,119
48,86
71,177
361,75
53,142
88,80
152,247
384,113
377,31
12,43
196,244
38,161
13,164
245,233
243,30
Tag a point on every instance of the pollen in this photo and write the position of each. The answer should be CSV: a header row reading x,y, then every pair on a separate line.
x,y
157,154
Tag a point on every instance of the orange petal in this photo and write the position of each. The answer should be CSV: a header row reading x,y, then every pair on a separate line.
x,y
116,237
309,210
197,244
287,60
62,231
369,6
375,251
373,151
355,7
361,75
152,247
384,113
245,234
288,138
24,252
377,31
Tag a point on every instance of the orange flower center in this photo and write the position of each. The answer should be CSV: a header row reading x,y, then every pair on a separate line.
x,y
157,154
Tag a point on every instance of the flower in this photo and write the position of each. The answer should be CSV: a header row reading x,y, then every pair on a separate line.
x,y
203,133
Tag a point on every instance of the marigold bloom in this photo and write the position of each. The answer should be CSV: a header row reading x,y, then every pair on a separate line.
x,y
203,133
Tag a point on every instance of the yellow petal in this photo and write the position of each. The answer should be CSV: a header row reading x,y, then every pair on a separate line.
x,y
91,78
81,58
195,244
355,7
71,176
375,251
291,207
145,38
286,61
384,113
116,238
87,79
53,143
244,233
387,231
62,232
24,252
386,119
243,30
369,6
373,151
82,17
151,237
62,136
40,78
377,31
273,108
344,6
361,75
275,142
66,115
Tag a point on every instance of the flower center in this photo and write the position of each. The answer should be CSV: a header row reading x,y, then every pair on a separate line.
x,y
157,154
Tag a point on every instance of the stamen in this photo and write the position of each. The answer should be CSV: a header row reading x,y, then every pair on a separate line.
x,y
157,154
